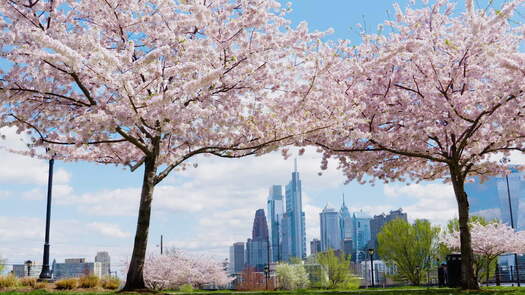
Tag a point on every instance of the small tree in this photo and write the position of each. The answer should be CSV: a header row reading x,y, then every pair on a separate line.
x,y
438,97
410,247
337,268
489,240
292,276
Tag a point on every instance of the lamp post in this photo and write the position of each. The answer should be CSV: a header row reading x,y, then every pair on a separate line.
x,y
28,263
371,254
266,274
45,274
512,225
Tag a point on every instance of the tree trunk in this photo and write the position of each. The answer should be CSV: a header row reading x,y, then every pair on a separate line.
x,y
468,278
135,277
488,272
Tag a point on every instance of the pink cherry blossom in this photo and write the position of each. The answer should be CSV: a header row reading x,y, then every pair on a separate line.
x,y
488,242
177,268
491,240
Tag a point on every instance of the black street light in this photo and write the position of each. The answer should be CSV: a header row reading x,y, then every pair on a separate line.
x,y
267,274
512,225
161,244
45,274
28,263
371,254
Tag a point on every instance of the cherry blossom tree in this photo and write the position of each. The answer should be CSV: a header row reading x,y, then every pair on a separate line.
x,y
176,268
440,95
153,83
488,242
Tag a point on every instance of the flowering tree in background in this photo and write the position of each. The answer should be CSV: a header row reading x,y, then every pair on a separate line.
x,y
152,83
438,96
489,241
292,276
176,268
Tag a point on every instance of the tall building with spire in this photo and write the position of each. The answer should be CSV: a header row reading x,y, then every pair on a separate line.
x,y
293,230
346,222
275,214
257,248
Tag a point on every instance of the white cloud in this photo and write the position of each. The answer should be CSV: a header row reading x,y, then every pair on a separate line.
x,y
22,238
433,201
21,169
430,190
117,202
108,230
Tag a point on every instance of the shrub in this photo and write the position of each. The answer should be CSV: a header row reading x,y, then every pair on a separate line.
x,y
110,283
40,285
337,269
186,288
8,281
292,276
28,282
66,284
88,281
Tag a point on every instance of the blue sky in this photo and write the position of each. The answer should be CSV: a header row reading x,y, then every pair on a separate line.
x,y
204,209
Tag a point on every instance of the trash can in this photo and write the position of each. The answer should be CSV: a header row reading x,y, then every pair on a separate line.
x,y
453,270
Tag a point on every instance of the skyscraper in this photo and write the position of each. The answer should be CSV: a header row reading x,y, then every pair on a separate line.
x,y
490,199
501,198
377,223
360,234
236,265
258,248
346,221
315,246
295,224
348,247
275,214
330,229
285,241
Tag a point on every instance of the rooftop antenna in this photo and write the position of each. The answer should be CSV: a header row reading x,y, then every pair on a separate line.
x,y
295,164
343,199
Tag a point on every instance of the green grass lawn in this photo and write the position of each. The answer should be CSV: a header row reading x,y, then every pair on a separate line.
x,y
387,291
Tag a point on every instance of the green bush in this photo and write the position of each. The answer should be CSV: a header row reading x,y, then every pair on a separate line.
x,y
88,281
110,283
66,284
8,281
186,288
28,282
